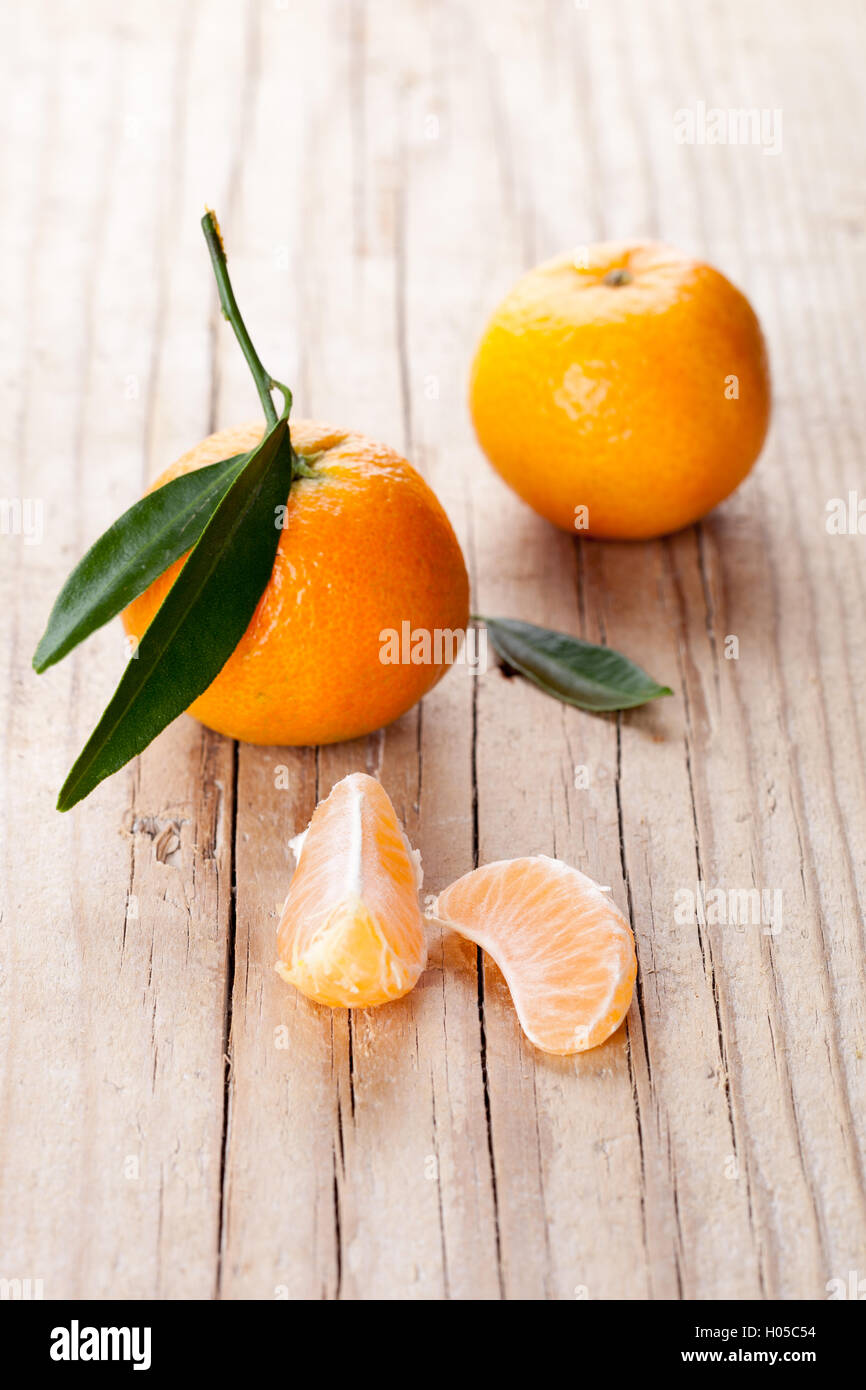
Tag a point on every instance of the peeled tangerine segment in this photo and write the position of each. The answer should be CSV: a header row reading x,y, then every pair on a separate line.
x,y
351,934
565,950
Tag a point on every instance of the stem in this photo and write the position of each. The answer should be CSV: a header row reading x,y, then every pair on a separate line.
x,y
264,382
620,276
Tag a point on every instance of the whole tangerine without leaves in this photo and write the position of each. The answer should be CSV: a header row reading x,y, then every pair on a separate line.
x,y
623,391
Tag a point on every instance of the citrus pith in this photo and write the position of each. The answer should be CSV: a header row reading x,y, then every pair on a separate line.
x,y
351,933
566,951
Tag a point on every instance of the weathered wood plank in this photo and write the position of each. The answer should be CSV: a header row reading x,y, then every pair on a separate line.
x,y
383,173
117,914
396,1134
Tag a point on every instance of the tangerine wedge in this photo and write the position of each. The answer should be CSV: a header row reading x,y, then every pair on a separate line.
x,y
567,953
351,934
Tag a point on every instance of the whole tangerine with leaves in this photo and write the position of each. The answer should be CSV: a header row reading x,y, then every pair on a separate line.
x,y
288,584
364,547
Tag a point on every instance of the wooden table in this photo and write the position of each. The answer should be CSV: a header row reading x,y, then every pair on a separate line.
x,y
176,1122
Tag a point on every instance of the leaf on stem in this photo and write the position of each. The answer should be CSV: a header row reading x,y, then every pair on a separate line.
x,y
576,672
134,551
200,622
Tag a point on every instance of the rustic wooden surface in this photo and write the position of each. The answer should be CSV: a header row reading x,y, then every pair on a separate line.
x,y
175,1122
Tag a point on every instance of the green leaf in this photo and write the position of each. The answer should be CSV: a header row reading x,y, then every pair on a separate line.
x,y
134,551
202,618
576,672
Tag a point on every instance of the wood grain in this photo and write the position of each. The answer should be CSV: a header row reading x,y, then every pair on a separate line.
x,y
176,1123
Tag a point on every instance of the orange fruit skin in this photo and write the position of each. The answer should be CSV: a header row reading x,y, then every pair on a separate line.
x,y
366,547
613,397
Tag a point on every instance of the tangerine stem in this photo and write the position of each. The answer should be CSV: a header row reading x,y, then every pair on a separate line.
x,y
264,381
